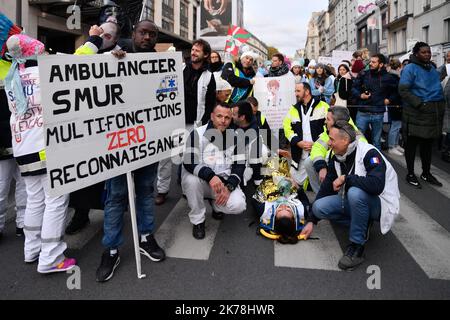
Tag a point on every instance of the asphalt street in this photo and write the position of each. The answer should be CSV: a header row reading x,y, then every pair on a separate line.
x,y
233,262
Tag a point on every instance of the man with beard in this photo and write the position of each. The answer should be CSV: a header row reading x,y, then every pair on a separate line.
x,y
279,67
199,101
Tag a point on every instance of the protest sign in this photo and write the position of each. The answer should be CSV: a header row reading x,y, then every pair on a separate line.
x,y
340,55
276,96
325,60
105,117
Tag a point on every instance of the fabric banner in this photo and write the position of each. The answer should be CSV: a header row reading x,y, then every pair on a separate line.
x,y
104,117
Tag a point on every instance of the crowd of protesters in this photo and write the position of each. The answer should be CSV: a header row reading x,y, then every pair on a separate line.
x,y
336,109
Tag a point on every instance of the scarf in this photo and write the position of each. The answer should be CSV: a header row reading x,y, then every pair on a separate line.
x,y
21,49
351,148
280,71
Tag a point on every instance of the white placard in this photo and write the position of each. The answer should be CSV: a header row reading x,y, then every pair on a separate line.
x,y
340,55
276,96
325,60
105,117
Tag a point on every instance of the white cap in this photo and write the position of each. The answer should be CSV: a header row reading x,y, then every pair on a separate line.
x,y
222,84
296,63
250,54
312,64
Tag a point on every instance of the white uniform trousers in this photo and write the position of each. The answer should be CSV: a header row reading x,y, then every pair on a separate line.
x,y
45,218
313,175
196,190
10,170
164,175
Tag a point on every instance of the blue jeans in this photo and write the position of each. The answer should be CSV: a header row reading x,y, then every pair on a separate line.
x,y
359,208
117,201
394,133
363,120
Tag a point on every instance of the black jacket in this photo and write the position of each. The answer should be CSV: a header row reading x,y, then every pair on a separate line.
x,y
191,158
238,83
380,84
191,77
316,129
255,147
343,87
395,108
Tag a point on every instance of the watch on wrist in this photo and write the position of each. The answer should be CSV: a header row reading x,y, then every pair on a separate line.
x,y
230,187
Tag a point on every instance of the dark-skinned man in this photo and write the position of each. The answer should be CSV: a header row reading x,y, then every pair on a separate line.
x,y
144,38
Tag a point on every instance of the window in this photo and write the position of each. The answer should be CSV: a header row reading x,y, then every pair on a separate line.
x,y
394,42
427,5
149,10
426,34
167,25
184,15
167,9
395,8
195,22
403,40
447,29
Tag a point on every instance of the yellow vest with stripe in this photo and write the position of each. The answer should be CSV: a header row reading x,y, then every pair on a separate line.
x,y
321,149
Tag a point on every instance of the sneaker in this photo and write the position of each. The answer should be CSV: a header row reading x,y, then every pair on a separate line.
x,y
352,258
66,265
412,180
394,152
151,249
76,225
217,215
160,198
19,232
198,231
430,179
400,149
109,263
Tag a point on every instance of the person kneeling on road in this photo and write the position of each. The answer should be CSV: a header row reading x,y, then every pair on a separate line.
x,y
361,186
210,172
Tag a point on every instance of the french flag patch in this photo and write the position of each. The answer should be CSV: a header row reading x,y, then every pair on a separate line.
x,y
375,160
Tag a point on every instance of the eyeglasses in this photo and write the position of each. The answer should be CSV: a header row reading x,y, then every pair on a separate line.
x,y
342,125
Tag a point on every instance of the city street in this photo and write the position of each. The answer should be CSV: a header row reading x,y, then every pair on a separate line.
x,y
233,262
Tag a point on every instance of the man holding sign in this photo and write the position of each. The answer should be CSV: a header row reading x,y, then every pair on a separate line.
x,y
144,39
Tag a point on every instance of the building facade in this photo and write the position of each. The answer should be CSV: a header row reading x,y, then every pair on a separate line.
x,y
324,34
372,30
47,20
312,46
431,24
344,17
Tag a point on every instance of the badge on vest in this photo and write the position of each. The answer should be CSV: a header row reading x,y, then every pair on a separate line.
x,y
375,160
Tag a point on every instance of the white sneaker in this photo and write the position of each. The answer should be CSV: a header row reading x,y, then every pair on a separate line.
x,y
394,152
400,149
